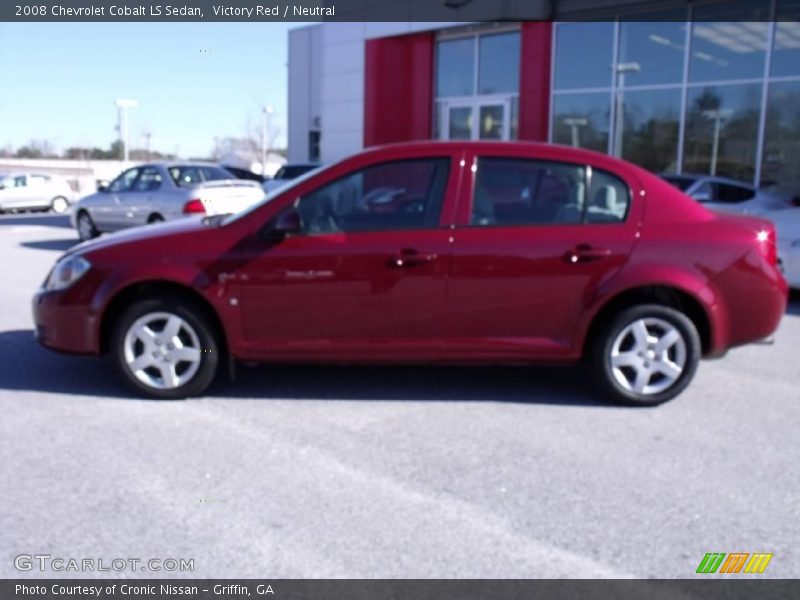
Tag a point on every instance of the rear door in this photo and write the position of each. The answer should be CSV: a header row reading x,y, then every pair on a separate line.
x,y
534,239
366,278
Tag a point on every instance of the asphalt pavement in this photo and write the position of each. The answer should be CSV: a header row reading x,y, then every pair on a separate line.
x,y
402,472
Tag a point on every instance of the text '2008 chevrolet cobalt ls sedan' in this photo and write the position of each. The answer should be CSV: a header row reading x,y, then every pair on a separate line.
x,y
450,252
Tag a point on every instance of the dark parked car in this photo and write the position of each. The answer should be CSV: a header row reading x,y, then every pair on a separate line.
x,y
457,252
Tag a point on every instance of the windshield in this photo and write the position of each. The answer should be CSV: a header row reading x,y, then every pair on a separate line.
x,y
272,195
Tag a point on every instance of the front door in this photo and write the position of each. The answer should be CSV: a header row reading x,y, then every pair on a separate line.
x,y
365,275
529,252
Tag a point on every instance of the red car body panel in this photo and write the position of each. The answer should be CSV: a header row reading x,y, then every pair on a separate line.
x,y
493,293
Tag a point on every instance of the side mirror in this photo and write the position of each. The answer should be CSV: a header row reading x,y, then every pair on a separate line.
x,y
103,188
286,223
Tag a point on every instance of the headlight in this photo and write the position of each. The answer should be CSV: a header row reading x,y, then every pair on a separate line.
x,y
66,272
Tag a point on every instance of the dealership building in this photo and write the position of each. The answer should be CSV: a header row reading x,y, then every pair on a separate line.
x,y
699,87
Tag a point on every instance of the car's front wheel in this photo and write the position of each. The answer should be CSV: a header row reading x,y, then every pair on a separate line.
x,y
165,349
646,355
85,226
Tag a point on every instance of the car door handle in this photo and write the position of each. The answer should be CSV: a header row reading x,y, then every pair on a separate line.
x,y
410,258
585,253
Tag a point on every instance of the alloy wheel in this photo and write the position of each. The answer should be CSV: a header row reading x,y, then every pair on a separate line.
x,y
162,350
648,356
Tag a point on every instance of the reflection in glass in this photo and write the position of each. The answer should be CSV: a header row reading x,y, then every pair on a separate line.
x,y
583,55
491,123
725,45
514,125
649,128
581,120
722,130
498,71
656,48
455,67
786,49
781,158
460,123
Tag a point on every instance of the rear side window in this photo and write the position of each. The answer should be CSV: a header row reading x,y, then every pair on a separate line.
x,y
527,192
731,194
404,194
609,198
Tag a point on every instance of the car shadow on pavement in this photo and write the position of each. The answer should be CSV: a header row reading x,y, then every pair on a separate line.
x,y
45,220
26,366
57,245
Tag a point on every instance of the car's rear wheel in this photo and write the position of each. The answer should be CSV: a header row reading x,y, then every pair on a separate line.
x,y
646,355
59,205
165,349
85,226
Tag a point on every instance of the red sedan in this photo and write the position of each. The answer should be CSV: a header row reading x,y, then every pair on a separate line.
x,y
429,252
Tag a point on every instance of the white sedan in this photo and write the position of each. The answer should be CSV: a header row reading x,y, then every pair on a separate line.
x,y
787,227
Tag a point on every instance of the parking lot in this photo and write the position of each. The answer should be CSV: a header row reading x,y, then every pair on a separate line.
x,y
305,471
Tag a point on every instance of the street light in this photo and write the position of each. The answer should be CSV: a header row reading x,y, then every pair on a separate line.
x,y
717,115
265,118
574,123
621,69
123,105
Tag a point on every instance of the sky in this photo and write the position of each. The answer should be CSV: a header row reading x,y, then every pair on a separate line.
x,y
193,82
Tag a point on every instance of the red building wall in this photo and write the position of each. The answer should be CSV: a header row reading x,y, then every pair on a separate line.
x,y
534,80
398,88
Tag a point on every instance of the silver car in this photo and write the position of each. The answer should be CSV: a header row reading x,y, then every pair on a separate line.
x,y
34,191
728,195
157,192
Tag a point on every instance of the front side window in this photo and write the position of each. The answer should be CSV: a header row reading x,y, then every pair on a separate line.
x,y
389,196
731,194
527,192
148,181
124,182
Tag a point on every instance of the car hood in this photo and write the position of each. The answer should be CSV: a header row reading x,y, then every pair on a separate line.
x,y
137,235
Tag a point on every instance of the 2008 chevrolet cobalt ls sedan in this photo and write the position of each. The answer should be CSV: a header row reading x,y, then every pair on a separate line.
x,y
463,252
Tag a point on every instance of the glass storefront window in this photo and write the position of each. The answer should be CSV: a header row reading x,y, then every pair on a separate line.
x,y
455,67
583,55
648,129
786,48
581,120
652,52
725,45
722,130
498,71
780,163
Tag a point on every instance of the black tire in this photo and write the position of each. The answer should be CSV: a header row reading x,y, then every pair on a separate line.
x,y
59,205
192,315
602,346
85,226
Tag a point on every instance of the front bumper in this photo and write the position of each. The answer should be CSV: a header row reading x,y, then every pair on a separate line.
x,y
64,325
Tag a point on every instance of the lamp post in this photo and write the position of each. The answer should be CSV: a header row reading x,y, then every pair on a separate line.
x,y
717,115
265,118
575,123
621,69
123,105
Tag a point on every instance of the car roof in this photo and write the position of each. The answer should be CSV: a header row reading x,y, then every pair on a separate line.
x,y
181,163
711,178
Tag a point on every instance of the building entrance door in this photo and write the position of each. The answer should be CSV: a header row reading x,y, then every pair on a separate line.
x,y
477,119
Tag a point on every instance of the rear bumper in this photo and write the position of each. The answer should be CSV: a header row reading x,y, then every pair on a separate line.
x,y
62,325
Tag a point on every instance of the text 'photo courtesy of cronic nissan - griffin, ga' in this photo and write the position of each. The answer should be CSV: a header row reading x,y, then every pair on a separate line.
x,y
429,252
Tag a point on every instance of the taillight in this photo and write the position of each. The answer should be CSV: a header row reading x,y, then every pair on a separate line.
x,y
193,207
767,243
